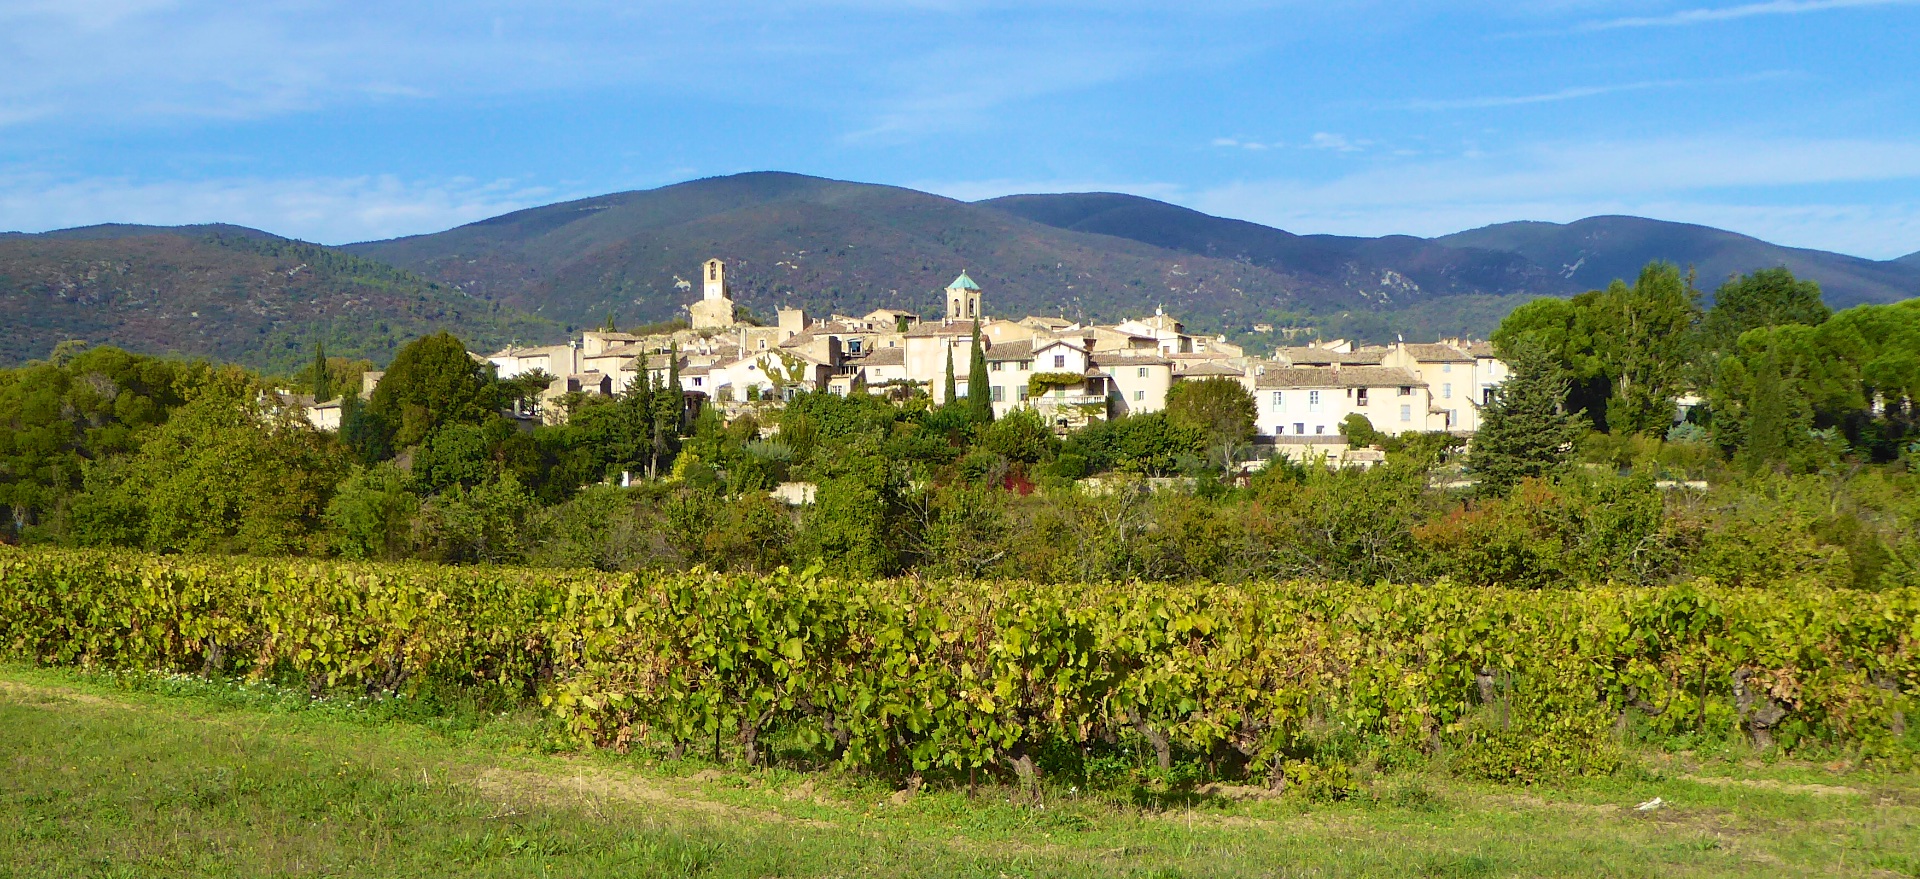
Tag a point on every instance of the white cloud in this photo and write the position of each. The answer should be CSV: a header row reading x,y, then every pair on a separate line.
x,y
327,210
1578,92
1708,15
1339,143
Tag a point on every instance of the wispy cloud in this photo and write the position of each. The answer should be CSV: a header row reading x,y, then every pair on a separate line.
x,y
1709,15
1578,92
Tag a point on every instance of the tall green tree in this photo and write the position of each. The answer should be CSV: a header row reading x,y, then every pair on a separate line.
x,y
949,392
1221,409
1526,430
979,393
432,381
322,374
1624,352
1767,298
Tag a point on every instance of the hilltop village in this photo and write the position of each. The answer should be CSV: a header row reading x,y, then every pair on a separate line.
x,y
1069,373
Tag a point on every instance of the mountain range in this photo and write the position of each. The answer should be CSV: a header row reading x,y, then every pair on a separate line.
x,y
225,293
828,245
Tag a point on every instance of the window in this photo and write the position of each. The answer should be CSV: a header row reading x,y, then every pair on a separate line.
x,y
1279,399
763,344
1026,366
1139,396
999,394
1313,401
1446,367
1446,391
853,346
1019,392
1486,396
1299,427
1143,372
1406,391
1319,429
1360,396
997,365
1059,361
696,381
1406,412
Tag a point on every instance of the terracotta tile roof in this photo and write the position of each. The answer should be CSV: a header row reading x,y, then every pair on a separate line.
x,y
1438,353
1018,349
884,357
1349,377
940,328
1311,356
1207,369
1112,359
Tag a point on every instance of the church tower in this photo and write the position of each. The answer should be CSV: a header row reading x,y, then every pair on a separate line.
x,y
716,284
963,299
714,311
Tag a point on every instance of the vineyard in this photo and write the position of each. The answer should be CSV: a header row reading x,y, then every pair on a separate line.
x,y
1278,684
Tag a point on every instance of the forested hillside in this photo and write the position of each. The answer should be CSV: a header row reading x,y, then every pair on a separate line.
x,y
829,245
226,293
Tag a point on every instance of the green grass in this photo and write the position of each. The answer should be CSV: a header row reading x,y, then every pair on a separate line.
x,y
157,777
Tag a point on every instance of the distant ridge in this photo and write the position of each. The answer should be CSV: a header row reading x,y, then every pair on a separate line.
x,y
833,245
227,293
1592,252
830,245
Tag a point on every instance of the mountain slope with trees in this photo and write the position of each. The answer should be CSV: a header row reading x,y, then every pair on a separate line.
x,y
1591,253
829,245
226,292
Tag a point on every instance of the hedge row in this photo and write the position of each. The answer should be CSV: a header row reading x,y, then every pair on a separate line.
x,y
908,677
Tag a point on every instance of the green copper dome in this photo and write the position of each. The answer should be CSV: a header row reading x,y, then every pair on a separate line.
x,y
963,283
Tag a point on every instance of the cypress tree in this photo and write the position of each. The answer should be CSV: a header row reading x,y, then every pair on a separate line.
x,y
950,393
979,396
322,379
1525,432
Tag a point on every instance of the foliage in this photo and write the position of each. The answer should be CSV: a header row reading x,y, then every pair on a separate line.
x,y
1624,350
1524,432
1767,298
55,416
432,382
1277,684
1221,409
225,473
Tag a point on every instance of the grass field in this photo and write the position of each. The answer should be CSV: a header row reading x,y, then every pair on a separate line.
x,y
104,777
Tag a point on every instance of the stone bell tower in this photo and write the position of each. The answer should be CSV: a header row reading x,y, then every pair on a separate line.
x,y
963,299
714,311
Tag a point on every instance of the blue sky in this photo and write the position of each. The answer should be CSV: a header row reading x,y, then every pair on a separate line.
x,y
1794,120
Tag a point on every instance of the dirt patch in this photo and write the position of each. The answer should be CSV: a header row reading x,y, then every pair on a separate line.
x,y
35,693
1819,790
593,785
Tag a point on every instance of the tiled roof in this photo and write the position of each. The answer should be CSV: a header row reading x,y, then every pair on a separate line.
x,y
963,283
884,357
1014,349
1481,349
1312,356
940,328
1207,368
1350,377
1114,359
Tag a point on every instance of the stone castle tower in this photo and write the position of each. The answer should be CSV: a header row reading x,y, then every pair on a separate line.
x,y
714,311
963,299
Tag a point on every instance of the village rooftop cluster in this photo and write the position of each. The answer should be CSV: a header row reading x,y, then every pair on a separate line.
x,y
1069,373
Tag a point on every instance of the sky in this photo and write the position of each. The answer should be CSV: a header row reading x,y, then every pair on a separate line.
x,y
1797,121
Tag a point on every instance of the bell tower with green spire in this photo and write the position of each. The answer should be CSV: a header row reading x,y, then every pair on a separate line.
x,y
963,299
